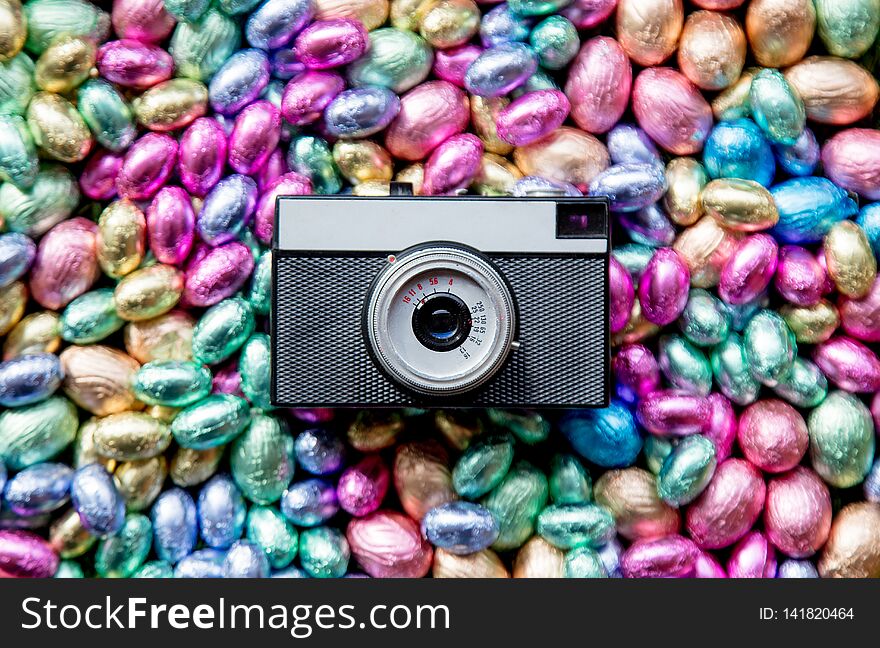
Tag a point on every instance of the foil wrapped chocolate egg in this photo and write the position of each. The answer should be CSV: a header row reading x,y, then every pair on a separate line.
x,y
712,50
671,110
834,90
133,64
780,31
387,544
848,28
631,497
841,440
852,160
852,550
599,84
648,30
395,58
797,515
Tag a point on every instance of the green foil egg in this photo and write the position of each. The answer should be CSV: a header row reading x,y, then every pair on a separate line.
x,y
69,569
324,552
118,556
777,108
18,152
47,19
536,7
583,562
154,569
222,330
211,422
570,482
482,466
770,347
90,318
201,47
36,433
804,386
575,525
260,292
528,427
656,450
16,84
847,27
255,366
841,439
187,10
684,365
705,320
268,529
106,114
311,156
516,503
730,366
172,383
555,41
34,211
261,459
396,59
687,470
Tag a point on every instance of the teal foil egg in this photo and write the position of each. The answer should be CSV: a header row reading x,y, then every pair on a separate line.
x,y
804,386
18,153
869,221
656,450
583,562
211,422
575,525
200,48
255,366
516,503
311,157
684,365
119,555
16,84
259,293
154,569
106,114
841,439
738,149
47,19
50,200
808,207
555,41
730,366
324,552
607,437
777,108
482,466
172,383
187,10
537,7
222,330
770,347
395,59
528,427
687,470
262,459
705,320
69,569
278,539
36,433
570,482
90,318
847,27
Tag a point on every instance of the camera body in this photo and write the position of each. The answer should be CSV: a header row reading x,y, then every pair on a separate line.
x,y
440,302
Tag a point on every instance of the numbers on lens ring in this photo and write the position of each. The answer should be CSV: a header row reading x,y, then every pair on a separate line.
x,y
478,308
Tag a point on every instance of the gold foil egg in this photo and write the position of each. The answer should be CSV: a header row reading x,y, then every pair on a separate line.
x,y
448,23
84,450
171,104
98,378
780,31
372,13
413,174
648,30
636,329
484,114
537,558
140,482
422,477
835,90
66,63
148,293
565,155
68,537
13,299
122,231
686,178
57,128
712,50
192,467
850,260
853,547
705,247
739,205
371,188
13,29
130,436
733,102
482,564
362,161
631,496
36,333
404,14
496,176
167,337
811,324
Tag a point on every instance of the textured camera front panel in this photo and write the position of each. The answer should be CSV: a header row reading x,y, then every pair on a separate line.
x,y
321,357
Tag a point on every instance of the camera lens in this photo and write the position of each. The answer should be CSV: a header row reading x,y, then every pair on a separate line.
x,y
441,322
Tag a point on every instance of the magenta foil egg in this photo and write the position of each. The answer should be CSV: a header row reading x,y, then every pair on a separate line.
x,y
331,43
800,278
227,380
141,20
532,116
664,287
452,64
429,114
289,184
672,556
388,544
753,557
171,225
599,83
849,364
306,95
98,177
729,507
797,514
453,165
202,156
749,270
773,435
66,264
217,273
851,159
26,555
636,372
276,166
586,14
255,135
133,64
622,295
671,110
147,166
722,426
668,412
362,487
706,566
860,318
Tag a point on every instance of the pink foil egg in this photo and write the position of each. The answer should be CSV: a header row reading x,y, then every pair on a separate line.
x,y
227,380
306,95
671,110
664,286
586,14
729,507
852,160
718,5
753,557
673,556
388,544
289,184
98,177
749,269
453,165
141,20
217,273
171,225
362,487
668,412
133,64
849,364
773,435
722,427
26,555
860,318
706,566
636,372
797,514
147,166
66,264
800,278
532,116
255,135
599,84
622,294
452,64
429,114
276,166
331,43
202,156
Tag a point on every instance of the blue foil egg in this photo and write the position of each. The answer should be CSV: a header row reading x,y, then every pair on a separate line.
x,y
649,226
808,207
800,158
738,149
361,112
500,69
3,477
175,525
41,488
630,187
100,507
608,437
276,22
460,527
309,503
17,252
319,451
609,555
501,25
869,221
629,144
535,186
245,560
29,379
239,81
204,563
221,512
227,210
871,485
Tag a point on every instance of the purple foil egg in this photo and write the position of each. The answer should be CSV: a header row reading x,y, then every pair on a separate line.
x,y
664,286
532,116
142,20
227,380
289,184
276,166
98,177
132,64
255,135
452,64
66,264
860,318
649,225
800,278
636,372
622,295
171,225
239,81
749,270
672,556
26,555
227,210
429,114
753,557
202,156
599,83
722,427
361,112
500,69
275,22
388,544
537,186
285,65
147,166
671,110
217,273
307,95
453,165
331,43
851,159
629,144
313,415
706,566
586,14
630,187
797,514
668,412
849,364
362,487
